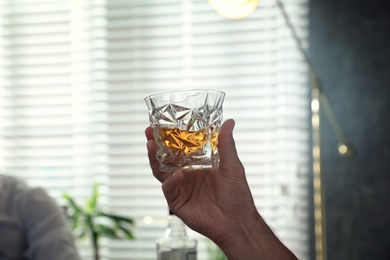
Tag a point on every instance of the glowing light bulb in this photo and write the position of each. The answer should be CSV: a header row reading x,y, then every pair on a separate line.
x,y
234,9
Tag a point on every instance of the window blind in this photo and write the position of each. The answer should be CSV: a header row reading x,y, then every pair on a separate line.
x,y
73,78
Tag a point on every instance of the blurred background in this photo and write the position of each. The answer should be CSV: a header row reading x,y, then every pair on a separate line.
x,y
73,75
349,45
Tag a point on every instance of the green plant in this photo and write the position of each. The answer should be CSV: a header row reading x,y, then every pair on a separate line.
x,y
93,222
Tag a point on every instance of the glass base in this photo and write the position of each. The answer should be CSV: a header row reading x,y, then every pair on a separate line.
x,y
168,168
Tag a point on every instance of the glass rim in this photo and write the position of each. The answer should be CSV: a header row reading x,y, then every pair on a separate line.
x,y
184,91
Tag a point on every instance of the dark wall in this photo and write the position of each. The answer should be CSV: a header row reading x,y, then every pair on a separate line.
x,y
350,49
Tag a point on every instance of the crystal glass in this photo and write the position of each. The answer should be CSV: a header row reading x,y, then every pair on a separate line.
x,y
186,125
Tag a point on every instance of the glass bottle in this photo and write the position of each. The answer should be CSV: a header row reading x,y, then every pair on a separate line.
x,y
176,245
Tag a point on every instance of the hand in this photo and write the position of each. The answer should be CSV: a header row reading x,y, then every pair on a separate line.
x,y
218,203
209,201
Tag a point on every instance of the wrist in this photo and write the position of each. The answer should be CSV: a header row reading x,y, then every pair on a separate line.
x,y
241,244
253,239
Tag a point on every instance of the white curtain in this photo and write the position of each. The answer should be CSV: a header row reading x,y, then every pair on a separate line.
x,y
73,75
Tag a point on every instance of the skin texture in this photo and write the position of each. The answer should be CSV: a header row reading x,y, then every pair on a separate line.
x,y
218,203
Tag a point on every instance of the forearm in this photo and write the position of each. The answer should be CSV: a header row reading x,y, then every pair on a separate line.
x,y
255,240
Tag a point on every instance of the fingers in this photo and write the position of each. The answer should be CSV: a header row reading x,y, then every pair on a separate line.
x,y
149,133
171,189
152,150
229,160
154,164
227,149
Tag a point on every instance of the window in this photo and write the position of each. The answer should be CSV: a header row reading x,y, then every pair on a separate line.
x,y
73,76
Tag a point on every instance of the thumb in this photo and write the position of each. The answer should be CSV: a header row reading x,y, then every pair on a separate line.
x,y
229,160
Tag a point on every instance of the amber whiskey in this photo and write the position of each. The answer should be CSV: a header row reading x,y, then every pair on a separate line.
x,y
188,141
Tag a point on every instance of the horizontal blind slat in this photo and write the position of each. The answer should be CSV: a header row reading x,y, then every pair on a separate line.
x,y
72,110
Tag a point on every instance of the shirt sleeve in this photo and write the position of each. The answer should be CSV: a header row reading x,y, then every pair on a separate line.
x,y
47,232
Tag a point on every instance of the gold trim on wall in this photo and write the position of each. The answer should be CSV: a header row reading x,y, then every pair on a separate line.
x,y
318,189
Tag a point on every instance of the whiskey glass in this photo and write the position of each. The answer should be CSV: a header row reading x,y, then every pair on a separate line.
x,y
186,125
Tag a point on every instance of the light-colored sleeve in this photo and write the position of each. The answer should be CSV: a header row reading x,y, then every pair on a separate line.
x,y
48,234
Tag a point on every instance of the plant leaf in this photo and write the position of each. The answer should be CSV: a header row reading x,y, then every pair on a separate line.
x,y
116,218
127,232
92,200
107,231
72,203
75,222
